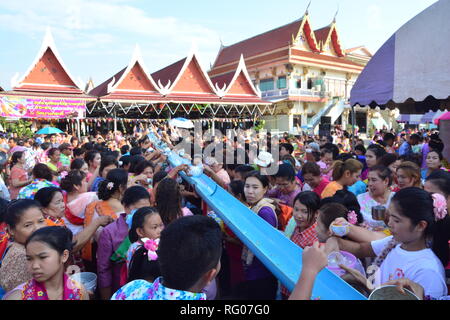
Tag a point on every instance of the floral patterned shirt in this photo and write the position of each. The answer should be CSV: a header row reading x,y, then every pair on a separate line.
x,y
144,290
30,190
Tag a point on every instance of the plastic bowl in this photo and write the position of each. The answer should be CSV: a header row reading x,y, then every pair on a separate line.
x,y
345,258
87,279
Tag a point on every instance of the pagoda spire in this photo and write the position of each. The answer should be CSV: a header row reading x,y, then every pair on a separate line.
x,y
335,15
307,8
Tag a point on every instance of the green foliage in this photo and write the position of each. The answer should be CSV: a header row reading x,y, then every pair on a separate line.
x,y
21,127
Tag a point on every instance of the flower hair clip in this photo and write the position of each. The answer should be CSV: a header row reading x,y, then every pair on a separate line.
x,y
352,217
439,206
152,247
110,185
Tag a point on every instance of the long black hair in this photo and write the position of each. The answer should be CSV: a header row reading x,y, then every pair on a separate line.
x,y
15,158
417,205
168,200
141,268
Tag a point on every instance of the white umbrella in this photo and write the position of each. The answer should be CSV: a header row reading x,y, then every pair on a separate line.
x,y
181,123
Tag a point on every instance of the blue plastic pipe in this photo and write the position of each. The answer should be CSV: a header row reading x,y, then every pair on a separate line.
x,y
280,255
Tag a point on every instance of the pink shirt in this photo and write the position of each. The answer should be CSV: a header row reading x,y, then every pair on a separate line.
x,y
186,212
223,175
16,174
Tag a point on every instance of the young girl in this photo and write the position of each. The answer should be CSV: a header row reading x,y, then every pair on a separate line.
x,y
414,217
306,206
328,213
47,250
345,174
112,244
145,231
23,217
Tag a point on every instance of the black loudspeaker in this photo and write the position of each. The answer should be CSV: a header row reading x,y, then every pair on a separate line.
x,y
324,130
325,120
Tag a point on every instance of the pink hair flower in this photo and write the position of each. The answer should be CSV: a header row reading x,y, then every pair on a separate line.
x,y
352,218
440,206
152,247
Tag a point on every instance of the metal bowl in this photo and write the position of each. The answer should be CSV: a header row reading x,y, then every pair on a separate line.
x,y
391,293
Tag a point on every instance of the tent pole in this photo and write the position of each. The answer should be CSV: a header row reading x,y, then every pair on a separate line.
x,y
353,126
115,121
78,128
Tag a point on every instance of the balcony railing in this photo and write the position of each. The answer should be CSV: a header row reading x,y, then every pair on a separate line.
x,y
282,93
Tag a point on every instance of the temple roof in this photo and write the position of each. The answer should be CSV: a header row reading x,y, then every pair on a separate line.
x,y
264,46
237,83
271,40
47,73
184,77
132,80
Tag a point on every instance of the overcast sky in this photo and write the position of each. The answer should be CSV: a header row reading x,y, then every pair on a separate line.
x,y
96,38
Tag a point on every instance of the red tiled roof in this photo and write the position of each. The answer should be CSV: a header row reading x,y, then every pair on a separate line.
x,y
322,35
102,89
169,73
224,79
268,41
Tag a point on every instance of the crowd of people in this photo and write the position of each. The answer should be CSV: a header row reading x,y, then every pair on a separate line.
x,y
114,206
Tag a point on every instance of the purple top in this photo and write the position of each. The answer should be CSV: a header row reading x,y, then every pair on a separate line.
x,y
110,239
285,198
257,270
425,151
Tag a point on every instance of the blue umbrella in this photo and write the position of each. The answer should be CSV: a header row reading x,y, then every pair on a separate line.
x,y
49,130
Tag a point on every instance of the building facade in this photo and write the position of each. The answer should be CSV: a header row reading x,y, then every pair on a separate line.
x,y
306,73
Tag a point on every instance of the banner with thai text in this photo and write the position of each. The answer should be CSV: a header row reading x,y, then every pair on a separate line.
x,y
48,108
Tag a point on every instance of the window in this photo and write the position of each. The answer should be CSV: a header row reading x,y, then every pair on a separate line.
x,y
281,83
310,84
298,84
297,121
266,85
